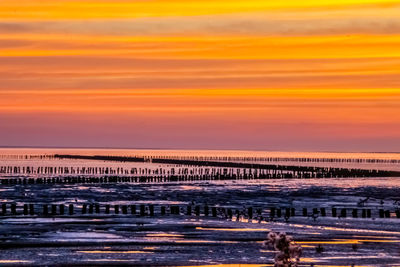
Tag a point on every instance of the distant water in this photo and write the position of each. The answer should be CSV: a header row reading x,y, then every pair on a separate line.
x,y
199,153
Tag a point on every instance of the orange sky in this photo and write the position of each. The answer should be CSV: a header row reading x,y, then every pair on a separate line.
x,y
281,75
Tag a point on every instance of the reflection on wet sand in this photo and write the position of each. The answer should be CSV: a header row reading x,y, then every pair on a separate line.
x,y
14,261
234,229
233,265
113,252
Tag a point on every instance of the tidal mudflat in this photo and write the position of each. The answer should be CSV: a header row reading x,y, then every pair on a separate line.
x,y
337,221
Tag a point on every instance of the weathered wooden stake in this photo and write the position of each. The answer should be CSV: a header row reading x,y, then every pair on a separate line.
x,y
71,209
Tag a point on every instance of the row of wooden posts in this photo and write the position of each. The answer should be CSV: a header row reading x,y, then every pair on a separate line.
x,y
152,210
146,158
158,178
173,175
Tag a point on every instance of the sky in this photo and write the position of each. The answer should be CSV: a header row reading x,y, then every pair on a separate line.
x,y
297,75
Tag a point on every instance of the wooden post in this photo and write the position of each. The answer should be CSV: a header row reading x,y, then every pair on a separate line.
x,y
142,210
206,210
305,213
62,209
323,212
363,213
13,209
250,212
272,212
343,213
230,214
45,210
381,213
189,210
387,213
71,209
214,211
97,208
315,211
124,209
287,212
197,210
278,212
163,210
3,209
31,209
90,208
334,212
151,210
369,213
116,209
25,209
355,213
84,207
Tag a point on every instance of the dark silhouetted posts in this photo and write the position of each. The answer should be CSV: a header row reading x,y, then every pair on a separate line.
x,y
387,213
305,213
334,212
116,209
343,213
250,213
363,213
31,209
214,211
206,210
230,214
368,213
381,213
272,212
25,209
13,209
45,210
124,209
151,210
71,209
142,210
323,212
91,209
278,212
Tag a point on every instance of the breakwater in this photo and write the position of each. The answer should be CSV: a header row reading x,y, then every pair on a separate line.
x,y
258,213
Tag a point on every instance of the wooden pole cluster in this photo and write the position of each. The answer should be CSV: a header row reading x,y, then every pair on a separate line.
x,y
68,209
277,159
285,171
147,158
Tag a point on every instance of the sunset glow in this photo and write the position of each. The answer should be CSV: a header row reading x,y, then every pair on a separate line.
x,y
279,75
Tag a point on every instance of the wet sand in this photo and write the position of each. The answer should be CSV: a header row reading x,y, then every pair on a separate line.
x,y
190,240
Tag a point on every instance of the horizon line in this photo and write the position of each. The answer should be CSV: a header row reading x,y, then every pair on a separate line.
x,y
205,149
